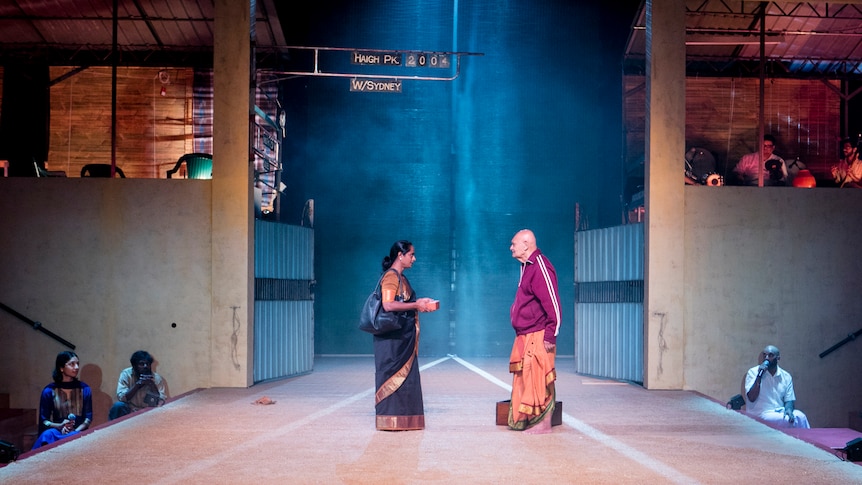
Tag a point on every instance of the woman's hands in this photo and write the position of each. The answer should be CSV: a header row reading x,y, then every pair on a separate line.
x,y
67,426
420,305
427,305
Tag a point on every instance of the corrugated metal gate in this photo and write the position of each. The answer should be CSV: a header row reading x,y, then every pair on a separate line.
x,y
609,293
283,300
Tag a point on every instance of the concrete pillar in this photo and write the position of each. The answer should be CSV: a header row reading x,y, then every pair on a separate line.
x,y
232,205
664,229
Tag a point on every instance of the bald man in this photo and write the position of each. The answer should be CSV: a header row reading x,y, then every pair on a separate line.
x,y
769,392
535,317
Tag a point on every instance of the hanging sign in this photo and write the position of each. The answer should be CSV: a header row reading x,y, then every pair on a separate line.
x,y
375,85
375,58
427,59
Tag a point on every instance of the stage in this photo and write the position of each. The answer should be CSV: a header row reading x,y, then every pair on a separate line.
x,y
320,429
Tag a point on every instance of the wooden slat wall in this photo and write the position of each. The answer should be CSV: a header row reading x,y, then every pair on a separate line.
x,y
721,116
153,131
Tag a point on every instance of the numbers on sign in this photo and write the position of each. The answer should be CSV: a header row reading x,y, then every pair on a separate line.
x,y
424,59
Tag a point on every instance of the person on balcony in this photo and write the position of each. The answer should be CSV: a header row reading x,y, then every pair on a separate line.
x,y
848,171
773,167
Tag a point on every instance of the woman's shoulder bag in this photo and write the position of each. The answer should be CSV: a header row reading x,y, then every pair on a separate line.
x,y
374,319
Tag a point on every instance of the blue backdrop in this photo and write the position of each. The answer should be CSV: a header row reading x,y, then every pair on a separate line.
x,y
528,130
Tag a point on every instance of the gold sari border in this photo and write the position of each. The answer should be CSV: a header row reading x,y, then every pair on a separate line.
x,y
400,423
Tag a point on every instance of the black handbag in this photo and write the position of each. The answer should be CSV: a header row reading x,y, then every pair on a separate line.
x,y
374,319
8,452
736,402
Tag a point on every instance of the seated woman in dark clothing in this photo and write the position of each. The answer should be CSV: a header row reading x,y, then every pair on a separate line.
x,y
66,405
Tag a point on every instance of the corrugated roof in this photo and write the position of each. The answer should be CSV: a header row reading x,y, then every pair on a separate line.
x,y
801,39
149,32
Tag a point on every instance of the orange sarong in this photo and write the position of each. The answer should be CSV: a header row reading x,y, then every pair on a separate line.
x,y
533,377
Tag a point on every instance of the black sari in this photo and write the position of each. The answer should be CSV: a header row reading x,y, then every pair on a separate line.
x,y
398,400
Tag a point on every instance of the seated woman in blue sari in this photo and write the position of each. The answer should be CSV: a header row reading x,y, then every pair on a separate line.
x,y
66,405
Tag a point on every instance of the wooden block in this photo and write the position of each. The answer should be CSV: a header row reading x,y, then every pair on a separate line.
x,y
503,413
557,418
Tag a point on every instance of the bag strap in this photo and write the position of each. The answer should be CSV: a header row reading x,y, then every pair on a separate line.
x,y
380,281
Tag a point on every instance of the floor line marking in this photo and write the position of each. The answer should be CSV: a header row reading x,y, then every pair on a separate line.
x,y
183,474
647,461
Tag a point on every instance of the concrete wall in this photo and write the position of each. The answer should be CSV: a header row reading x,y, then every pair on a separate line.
x,y
117,265
761,265
775,266
232,202
665,139
113,266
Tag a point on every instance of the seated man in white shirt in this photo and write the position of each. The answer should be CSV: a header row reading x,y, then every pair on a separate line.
x,y
769,393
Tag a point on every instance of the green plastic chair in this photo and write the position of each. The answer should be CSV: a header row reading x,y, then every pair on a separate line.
x,y
198,166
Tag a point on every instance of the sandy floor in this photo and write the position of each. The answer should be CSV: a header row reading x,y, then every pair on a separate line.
x,y
321,430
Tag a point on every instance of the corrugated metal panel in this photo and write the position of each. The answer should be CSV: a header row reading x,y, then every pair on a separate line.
x,y
284,319
631,291
283,251
283,339
281,289
610,254
610,340
609,269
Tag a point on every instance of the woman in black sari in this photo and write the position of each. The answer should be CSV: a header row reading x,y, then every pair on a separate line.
x,y
398,400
